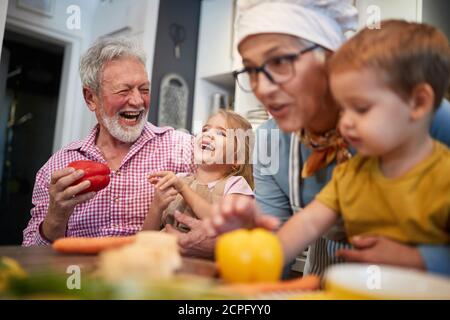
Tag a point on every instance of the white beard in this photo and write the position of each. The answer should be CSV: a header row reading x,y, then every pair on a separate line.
x,y
129,134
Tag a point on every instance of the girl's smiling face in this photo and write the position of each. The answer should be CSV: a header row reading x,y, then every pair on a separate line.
x,y
211,144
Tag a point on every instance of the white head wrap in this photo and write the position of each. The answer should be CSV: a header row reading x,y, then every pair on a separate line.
x,y
323,22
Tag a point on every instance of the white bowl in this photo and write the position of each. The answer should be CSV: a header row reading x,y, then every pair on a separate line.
x,y
365,281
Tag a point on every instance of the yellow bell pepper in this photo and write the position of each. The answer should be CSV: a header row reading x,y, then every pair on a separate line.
x,y
249,256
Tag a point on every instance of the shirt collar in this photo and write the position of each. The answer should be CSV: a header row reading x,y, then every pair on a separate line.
x,y
148,133
212,184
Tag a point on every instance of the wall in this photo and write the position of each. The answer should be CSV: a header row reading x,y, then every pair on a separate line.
x,y
398,9
435,12
57,22
187,14
214,57
135,19
3,9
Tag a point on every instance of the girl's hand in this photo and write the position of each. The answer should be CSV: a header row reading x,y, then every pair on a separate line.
x,y
165,179
163,198
235,212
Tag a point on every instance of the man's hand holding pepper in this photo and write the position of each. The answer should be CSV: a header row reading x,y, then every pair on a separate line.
x,y
63,199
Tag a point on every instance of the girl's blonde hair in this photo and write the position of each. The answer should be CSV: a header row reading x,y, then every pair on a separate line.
x,y
236,121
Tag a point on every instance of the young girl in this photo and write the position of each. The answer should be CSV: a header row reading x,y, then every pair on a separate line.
x,y
222,154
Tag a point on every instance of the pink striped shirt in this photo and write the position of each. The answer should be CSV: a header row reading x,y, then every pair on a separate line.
x,y
120,208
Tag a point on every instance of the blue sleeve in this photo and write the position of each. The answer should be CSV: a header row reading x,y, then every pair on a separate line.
x,y
440,127
271,184
436,258
269,196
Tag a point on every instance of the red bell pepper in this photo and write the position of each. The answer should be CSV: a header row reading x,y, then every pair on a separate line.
x,y
97,173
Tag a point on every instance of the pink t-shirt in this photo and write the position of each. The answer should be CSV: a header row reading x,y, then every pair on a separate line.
x,y
234,185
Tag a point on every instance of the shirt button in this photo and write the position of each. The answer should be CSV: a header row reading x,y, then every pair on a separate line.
x,y
116,199
118,173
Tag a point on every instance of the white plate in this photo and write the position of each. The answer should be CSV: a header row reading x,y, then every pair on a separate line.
x,y
385,282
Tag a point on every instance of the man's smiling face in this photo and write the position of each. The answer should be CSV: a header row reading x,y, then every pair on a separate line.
x,y
124,99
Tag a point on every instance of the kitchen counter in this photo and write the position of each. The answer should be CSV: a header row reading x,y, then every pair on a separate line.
x,y
44,258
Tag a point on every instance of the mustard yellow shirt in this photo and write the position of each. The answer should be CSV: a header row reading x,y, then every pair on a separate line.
x,y
413,208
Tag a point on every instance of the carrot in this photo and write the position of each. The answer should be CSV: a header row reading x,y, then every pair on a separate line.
x,y
90,245
309,282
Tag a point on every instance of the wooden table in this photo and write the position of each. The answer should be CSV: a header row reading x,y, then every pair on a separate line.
x,y
44,258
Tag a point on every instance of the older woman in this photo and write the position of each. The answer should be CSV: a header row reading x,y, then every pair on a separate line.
x,y
284,47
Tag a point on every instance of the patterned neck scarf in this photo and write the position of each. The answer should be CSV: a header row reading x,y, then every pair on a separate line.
x,y
325,148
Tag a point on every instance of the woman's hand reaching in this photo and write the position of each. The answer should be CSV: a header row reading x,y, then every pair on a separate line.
x,y
235,212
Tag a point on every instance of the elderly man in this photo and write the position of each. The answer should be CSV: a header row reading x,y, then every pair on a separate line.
x,y
116,88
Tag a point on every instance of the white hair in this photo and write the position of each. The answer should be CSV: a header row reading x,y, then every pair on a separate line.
x,y
103,51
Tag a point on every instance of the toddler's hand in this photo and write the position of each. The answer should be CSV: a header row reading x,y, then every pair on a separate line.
x,y
165,179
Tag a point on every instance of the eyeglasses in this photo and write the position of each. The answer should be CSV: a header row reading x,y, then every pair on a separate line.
x,y
278,70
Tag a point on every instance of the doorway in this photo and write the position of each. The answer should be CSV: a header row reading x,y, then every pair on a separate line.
x,y
28,110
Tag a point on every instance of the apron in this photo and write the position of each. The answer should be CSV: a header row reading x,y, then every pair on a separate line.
x,y
321,253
